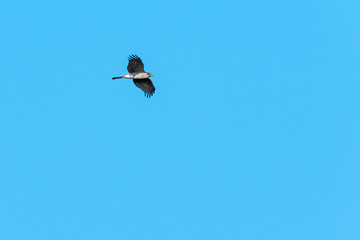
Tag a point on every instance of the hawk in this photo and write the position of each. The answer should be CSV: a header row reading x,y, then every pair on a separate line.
x,y
139,76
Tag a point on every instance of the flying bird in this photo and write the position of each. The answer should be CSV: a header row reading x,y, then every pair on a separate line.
x,y
139,76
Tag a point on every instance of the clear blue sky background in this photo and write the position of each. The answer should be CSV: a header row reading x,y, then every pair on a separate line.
x,y
253,132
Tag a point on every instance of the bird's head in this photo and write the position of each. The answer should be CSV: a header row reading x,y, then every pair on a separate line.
x,y
149,74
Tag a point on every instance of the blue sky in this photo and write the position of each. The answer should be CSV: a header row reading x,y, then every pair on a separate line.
x,y
253,132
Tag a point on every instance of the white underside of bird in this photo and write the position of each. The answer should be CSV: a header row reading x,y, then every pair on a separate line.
x,y
139,75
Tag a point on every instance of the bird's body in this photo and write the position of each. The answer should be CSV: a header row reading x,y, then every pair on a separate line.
x,y
139,76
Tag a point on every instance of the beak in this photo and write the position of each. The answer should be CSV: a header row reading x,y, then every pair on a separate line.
x,y
151,74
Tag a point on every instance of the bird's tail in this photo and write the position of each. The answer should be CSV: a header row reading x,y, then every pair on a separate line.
x,y
117,77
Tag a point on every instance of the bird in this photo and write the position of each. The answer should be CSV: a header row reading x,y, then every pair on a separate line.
x,y
139,76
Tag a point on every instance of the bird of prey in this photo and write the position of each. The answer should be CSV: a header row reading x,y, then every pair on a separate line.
x,y
139,76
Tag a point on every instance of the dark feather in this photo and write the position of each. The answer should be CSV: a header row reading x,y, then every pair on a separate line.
x,y
135,64
146,85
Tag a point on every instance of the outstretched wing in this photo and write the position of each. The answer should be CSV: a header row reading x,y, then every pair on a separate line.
x,y
146,85
135,64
